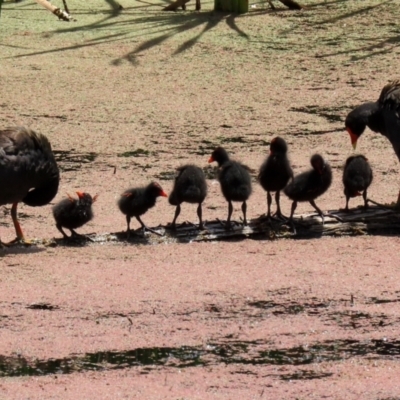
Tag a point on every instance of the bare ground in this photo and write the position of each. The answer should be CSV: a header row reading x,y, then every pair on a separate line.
x,y
146,91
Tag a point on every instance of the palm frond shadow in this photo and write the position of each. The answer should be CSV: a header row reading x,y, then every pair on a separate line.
x,y
377,44
151,23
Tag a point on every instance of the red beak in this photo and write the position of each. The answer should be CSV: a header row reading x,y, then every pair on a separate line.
x,y
80,194
353,138
211,159
163,194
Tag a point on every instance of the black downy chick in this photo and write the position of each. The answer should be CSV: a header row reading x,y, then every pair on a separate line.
x,y
235,181
275,173
137,201
73,213
190,186
309,185
357,177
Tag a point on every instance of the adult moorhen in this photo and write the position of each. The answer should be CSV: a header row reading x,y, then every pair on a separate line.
x,y
381,116
28,171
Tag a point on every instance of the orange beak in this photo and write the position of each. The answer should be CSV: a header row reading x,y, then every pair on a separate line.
x,y
353,138
163,194
211,159
80,194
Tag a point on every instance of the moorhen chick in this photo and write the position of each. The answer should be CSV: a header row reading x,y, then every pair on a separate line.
x,y
28,171
73,213
381,116
190,186
275,173
357,177
137,201
309,185
234,179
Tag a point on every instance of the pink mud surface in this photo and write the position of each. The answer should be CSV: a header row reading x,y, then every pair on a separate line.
x,y
175,85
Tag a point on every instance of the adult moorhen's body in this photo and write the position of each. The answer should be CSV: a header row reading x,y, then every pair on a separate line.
x,y
234,179
28,171
275,173
190,186
137,201
73,213
357,177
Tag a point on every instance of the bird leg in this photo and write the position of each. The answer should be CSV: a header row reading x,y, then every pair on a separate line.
x,y
291,222
230,211
145,228
269,202
392,206
365,199
20,236
76,235
346,209
278,213
244,210
17,226
268,216
59,227
128,229
322,215
200,215
318,210
177,212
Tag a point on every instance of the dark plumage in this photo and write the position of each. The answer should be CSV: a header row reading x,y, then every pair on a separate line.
x,y
190,186
311,184
73,213
235,181
381,116
275,173
28,171
136,201
357,176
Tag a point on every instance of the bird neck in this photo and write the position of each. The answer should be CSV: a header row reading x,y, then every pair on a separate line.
x,y
376,121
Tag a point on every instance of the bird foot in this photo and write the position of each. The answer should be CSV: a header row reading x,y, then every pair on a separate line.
x,y
392,206
144,229
264,217
202,227
280,217
290,222
19,241
78,237
226,225
333,216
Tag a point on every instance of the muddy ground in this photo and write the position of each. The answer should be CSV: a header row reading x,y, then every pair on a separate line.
x,y
140,92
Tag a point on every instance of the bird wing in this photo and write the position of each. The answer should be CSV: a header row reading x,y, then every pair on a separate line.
x,y
390,96
389,101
